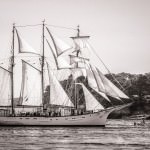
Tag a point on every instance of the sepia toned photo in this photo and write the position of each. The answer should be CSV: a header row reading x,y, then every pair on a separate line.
x,y
74,74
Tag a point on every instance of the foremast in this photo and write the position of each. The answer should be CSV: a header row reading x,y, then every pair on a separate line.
x,y
12,71
43,61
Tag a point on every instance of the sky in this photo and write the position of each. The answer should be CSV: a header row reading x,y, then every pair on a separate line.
x,y
119,29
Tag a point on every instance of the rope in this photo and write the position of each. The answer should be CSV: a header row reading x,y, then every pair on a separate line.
x,y
28,56
55,26
29,25
106,66
5,59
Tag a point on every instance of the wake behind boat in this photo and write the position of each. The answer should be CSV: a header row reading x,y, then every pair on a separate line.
x,y
58,86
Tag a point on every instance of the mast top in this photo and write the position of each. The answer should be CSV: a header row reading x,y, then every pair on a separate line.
x,y
43,21
78,34
78,31
14,25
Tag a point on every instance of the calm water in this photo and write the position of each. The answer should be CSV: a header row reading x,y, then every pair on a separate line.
x,y
118,134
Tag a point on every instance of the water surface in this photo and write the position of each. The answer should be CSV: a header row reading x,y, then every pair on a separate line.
x,y
118,134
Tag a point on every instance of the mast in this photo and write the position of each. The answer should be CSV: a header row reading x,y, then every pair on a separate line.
x,y
43,57
77,54
12,72
78,49
76,66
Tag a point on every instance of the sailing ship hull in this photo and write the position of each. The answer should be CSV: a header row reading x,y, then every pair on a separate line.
x,y
93,119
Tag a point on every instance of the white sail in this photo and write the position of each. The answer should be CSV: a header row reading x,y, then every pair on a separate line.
x,y
64,74
61,45
5,87
62,63
91,80
78,72
81,45
95,84
99,81
58,45
99,84
31,86
75,59
81,42
90,100
59,61
57,94
111,89
104,96
24,47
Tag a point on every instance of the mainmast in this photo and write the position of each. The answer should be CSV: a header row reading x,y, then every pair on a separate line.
x,y
77,54
77,50
12,71
43,61
76,66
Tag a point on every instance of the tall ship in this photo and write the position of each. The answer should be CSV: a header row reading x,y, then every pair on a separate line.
x,y
57,86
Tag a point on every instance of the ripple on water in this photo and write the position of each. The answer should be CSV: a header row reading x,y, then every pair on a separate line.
x,y
118,134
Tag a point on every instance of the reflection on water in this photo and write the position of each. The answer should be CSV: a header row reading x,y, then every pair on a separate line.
x,y
118,134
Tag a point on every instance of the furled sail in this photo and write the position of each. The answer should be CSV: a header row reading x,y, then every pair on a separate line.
x,y
31,93
57,94
24,47
5,87
110,88
90,100
75,59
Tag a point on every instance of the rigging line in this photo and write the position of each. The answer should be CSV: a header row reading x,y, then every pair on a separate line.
x,y
5,59
28,56
106,66
56,62
55,26
5,69
83,33
31,65
28,25
83,60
